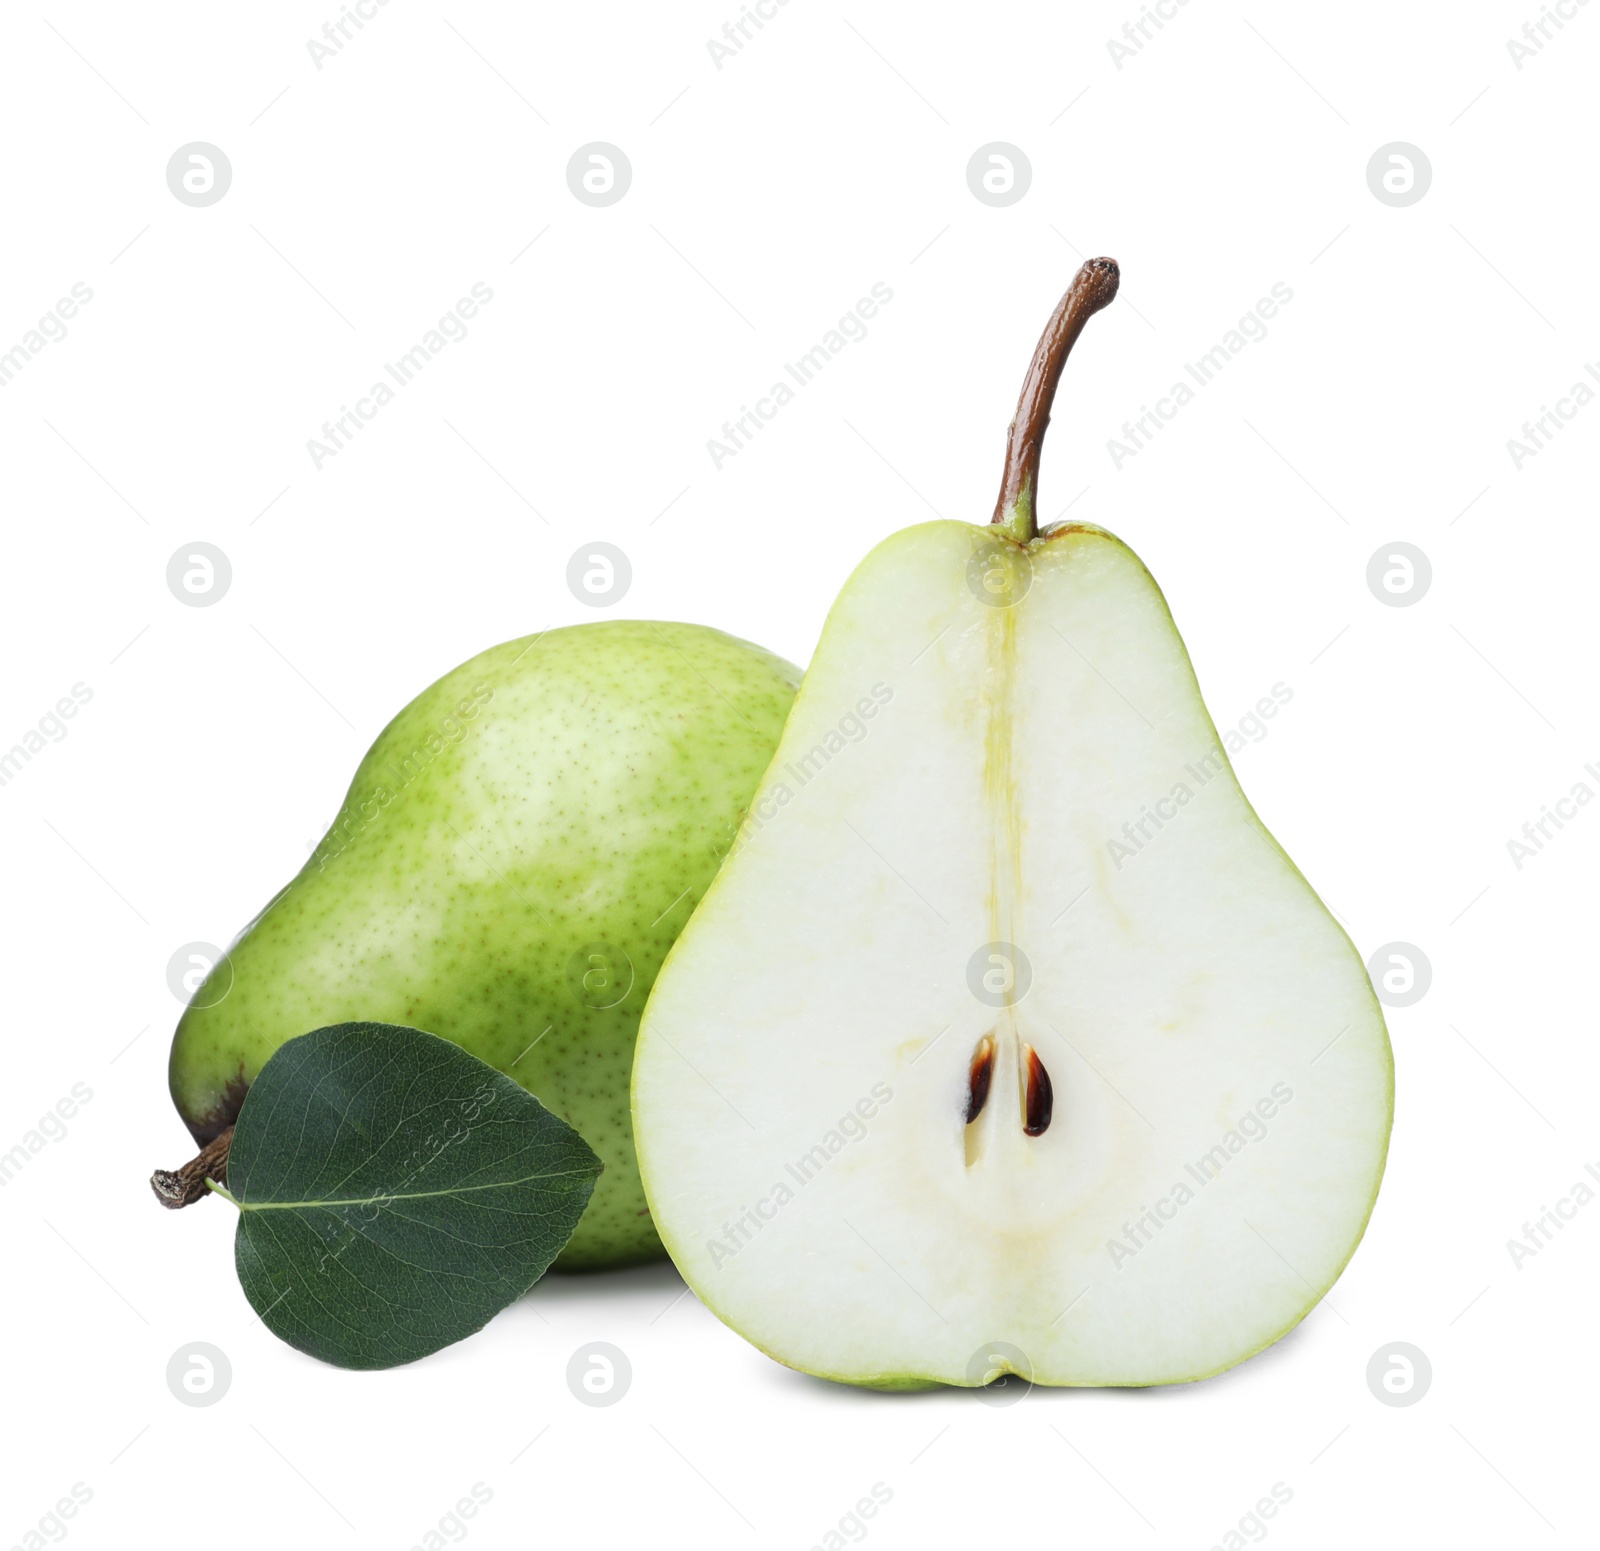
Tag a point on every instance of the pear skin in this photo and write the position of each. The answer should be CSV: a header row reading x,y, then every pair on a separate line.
x,y
516,854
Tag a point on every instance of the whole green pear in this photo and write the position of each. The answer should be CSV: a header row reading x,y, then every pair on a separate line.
x,y
514,858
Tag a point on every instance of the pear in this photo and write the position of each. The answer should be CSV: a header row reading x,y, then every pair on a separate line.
x,y
1008,1041
515,855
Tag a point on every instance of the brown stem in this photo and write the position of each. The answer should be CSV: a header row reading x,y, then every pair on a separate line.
x,y
1092,287
183,1187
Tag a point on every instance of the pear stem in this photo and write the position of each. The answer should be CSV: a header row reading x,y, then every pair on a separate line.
x,y
176,1188
1092,288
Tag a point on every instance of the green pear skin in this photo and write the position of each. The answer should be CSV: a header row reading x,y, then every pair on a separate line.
x,y
515,856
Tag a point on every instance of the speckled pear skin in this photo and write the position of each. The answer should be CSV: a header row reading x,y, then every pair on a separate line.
x,y
517,852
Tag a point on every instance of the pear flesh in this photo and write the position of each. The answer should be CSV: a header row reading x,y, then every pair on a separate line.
x,y
1032,891
515,855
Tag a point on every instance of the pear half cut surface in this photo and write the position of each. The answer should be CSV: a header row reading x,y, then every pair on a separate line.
x,y
1007,1039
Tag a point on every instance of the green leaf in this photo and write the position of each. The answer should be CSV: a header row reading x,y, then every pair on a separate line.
x,y
395,1193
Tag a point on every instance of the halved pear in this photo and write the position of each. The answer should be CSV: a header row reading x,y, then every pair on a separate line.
x,y
1008,1040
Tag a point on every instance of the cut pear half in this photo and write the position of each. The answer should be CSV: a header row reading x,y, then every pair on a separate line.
x,y
1007,1039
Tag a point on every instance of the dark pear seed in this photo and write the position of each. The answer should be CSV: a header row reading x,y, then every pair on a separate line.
x,y
979,1076
1041,1097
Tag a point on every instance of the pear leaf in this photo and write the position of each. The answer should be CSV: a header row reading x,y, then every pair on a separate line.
x,y
395,1193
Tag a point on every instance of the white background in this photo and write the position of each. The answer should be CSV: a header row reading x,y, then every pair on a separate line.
x,y
1229,153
